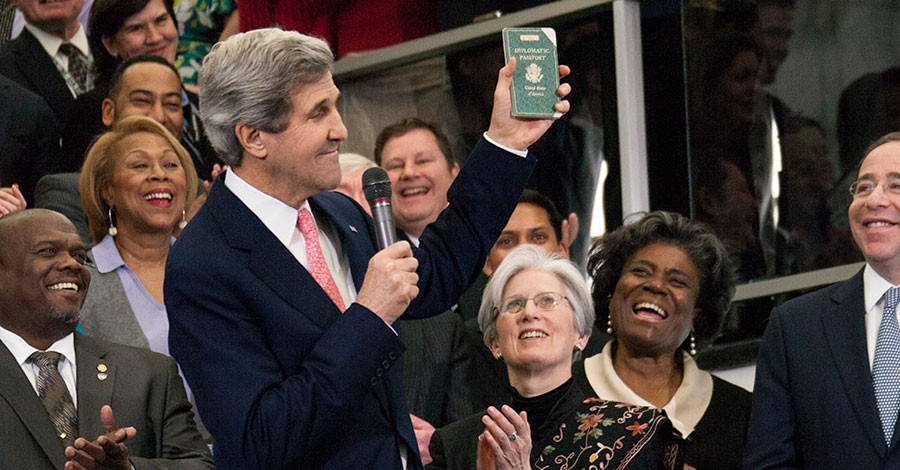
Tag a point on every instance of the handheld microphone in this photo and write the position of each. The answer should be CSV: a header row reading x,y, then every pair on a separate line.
x,y
377,188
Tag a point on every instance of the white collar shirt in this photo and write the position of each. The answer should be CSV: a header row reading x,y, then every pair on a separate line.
x,y
21,351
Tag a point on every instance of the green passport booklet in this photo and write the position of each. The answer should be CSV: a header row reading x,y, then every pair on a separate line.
x,y
536,78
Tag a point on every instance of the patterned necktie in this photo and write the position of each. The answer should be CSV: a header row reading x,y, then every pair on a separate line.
x,y
53,393
886,365
317,266
78,65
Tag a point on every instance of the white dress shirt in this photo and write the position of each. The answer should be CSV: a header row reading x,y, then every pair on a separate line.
x,y
21,350
51,44
874,288
281,220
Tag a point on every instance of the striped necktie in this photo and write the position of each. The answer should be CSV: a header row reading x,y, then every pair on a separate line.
x,y
56,398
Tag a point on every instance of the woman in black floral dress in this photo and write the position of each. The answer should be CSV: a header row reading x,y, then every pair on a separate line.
x,y
536,315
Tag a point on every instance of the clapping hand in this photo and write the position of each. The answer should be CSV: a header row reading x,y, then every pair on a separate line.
x,y
107,452
505,443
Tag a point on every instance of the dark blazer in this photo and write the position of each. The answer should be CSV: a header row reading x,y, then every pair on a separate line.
x,y
813,399
29,137
437,368
142,387
24,61
282,379
60,192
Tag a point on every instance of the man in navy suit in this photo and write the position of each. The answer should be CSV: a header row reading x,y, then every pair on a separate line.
x,y
285,377
814,400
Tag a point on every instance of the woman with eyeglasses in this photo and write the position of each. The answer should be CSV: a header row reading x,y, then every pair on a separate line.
x,y
662,286
536,315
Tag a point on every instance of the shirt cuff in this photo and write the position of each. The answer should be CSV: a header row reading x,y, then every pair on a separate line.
x,y
521,153
392,328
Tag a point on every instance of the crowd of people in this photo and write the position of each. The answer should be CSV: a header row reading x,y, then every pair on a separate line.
x,y
200,286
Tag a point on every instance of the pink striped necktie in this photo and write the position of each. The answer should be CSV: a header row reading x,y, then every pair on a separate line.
x,y
317,266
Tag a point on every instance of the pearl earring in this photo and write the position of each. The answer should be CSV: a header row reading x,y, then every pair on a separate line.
x,y
693,350
609,328
183,223
113,231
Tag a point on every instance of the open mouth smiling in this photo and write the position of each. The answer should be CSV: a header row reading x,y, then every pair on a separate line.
x,y
413,192
650,310
67,286
530,334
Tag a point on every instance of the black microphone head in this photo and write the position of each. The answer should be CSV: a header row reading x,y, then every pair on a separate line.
x,y
376,185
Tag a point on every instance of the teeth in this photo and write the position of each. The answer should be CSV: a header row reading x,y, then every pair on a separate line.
x,y
413,191
648,306
879,224
64,286
532,334
165,196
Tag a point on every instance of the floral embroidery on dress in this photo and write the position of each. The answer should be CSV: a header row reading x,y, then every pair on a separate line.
x,y
609,435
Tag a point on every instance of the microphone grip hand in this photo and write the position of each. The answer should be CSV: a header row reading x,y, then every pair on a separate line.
x,y
391,282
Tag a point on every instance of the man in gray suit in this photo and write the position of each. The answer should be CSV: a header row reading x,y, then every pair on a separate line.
x,y
58,385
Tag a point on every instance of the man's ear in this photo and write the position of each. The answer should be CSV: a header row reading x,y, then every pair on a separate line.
x,y
488,269
251,140
563,250
108,112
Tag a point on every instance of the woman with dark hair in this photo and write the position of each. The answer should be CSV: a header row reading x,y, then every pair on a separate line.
x,y
662,286
120,29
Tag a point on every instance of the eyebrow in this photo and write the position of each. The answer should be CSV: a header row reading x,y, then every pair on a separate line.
x,y
141,91
870,176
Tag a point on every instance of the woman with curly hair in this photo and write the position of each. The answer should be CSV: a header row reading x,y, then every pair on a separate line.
x,y
661,286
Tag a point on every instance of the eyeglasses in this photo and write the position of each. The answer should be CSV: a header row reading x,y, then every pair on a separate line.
x,y
545,301
864,188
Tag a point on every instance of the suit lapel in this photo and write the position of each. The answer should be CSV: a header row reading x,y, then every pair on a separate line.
x,y
356,239
18,392
43,75
845,331
268,258
96,378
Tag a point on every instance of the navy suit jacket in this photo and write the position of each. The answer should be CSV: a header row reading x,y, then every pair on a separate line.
x,y
25,61
282,378
813,400
29,138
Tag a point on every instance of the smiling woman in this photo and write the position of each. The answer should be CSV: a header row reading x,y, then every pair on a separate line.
x,y
134,189
662,285
121,29
536,315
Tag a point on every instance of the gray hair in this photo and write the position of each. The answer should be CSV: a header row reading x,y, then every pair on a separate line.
x,y
533,258
251,77
351,162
